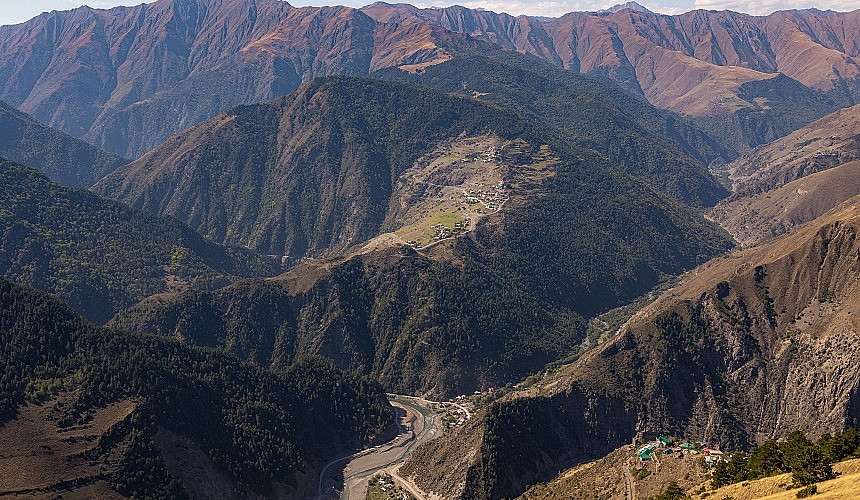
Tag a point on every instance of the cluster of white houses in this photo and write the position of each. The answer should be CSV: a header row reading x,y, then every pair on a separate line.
x,y
491,199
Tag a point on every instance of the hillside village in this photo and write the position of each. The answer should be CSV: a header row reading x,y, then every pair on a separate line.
x,y
669,456
445,194
475,202
664,447
382,487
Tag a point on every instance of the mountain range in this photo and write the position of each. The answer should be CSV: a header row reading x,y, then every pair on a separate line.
x,y
127,78
398,307
584,232
275,177
692,63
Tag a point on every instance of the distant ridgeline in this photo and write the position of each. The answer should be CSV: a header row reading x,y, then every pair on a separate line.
x,y
701,63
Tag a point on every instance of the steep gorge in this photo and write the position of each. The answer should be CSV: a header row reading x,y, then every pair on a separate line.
x,y
750,346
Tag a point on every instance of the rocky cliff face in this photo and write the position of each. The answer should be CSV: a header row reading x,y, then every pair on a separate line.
x,y
751,346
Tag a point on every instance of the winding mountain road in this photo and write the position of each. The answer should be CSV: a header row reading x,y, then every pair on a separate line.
x,y
419,424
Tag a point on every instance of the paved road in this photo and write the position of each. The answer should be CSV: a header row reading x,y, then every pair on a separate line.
x,y
367,462
427,403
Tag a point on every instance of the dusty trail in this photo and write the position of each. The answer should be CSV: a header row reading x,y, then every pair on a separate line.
x,y
629,484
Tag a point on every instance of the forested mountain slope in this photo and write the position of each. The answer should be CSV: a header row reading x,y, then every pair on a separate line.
x,y
663,149
316,172
115,412
63,158
750,346
99,255
490,301
308,174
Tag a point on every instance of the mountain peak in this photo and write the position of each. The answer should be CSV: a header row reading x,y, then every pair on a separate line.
x,y
636,7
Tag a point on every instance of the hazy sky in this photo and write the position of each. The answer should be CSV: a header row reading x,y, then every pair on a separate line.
x,y
16,11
